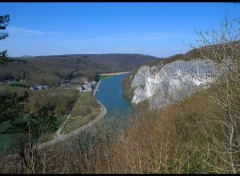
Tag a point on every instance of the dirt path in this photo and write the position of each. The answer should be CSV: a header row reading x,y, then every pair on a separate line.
x,y
60,129
60,137
114,74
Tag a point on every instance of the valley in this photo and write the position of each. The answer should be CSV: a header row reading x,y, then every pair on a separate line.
x,y
120,88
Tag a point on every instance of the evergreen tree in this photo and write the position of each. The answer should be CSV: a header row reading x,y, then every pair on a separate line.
x,y
4,20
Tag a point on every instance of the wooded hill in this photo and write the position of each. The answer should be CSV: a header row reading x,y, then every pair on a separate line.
x,y
51,69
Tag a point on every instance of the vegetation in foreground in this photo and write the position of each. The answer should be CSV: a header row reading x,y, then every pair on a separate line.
x,y
185,137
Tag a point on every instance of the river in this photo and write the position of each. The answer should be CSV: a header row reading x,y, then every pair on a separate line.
x,y
115,121
111,100
110,95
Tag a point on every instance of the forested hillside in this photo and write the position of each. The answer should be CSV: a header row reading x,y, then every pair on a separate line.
x,y
51,69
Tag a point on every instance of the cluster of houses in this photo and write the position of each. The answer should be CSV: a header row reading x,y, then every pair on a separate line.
x,y
85,88
82,87
39,87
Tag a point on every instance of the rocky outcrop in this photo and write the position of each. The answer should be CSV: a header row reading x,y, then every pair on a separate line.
x,y
143,73
163,84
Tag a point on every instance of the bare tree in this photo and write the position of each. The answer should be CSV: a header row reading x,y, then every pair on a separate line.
x,y
222,46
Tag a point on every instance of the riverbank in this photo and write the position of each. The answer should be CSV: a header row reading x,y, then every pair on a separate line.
x,y
96,88
114,74
61,137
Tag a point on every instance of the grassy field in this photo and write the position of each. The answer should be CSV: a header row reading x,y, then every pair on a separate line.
x,y
85,109
18,86
101,77
6,140
11,88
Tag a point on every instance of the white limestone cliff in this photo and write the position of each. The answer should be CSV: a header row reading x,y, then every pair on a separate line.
x,y
163,84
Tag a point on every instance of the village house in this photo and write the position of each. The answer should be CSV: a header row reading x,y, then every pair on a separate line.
x,y
64,83
85,87
39,87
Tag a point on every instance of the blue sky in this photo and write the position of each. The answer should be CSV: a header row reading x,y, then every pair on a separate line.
x,y
157,29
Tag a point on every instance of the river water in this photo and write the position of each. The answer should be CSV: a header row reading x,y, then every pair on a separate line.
x,y
116,120
110,95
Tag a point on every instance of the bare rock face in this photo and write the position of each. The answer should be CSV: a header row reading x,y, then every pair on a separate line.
x,y
143,73
169,83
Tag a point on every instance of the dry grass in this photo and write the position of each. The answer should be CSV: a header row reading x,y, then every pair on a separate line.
x,y
84,110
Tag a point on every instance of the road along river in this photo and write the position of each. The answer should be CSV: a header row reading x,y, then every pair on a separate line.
x,y
60,137
112,106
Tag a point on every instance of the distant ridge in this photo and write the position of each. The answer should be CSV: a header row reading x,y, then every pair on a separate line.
x,y
53,68
26,56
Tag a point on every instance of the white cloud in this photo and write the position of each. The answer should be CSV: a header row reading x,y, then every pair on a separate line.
x,y
14,30
22,31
